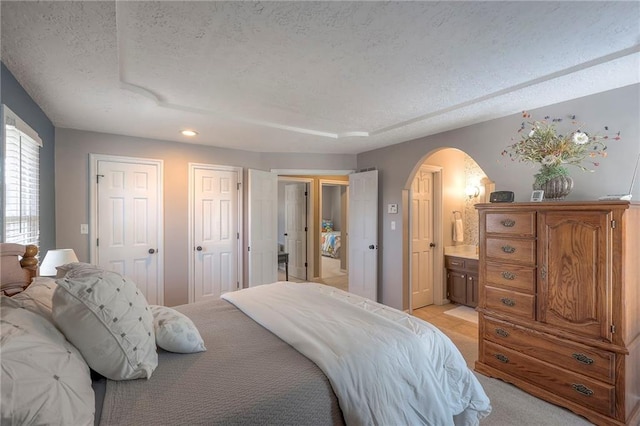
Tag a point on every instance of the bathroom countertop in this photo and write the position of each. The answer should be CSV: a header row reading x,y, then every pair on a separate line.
x,y
468,252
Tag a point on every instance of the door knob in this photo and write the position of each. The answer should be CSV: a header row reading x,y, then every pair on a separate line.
x,y
432,244
371,247
199,248
151,251
285,234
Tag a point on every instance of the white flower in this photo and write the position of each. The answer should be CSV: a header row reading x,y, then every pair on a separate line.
x,y
580,138
549,160
532,132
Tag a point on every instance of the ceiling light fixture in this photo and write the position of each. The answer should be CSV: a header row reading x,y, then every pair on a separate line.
x,y
188,132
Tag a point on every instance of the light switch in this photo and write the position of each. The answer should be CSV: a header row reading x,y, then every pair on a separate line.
x,y
84,228
393,225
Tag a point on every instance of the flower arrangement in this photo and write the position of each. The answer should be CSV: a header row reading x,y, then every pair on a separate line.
x,y
541,143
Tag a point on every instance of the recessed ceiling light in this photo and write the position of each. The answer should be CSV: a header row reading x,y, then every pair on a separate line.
x,y
189,132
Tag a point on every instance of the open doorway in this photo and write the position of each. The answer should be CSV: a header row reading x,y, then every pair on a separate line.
x,y
440,186
294,238
333,203
336,271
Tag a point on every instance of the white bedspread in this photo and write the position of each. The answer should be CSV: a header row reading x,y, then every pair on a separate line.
x,y
386,367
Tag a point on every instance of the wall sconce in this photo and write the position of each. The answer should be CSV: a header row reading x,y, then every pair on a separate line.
x,y
56,258
472,191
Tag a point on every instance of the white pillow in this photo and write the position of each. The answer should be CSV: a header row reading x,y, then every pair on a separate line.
x,y
77,268
175,332
44,378
108,319
38,297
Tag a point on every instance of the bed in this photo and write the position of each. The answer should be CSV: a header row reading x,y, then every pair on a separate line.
x,y
263,357
330,244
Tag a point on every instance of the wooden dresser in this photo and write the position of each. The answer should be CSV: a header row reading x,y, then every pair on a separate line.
x,y
559,304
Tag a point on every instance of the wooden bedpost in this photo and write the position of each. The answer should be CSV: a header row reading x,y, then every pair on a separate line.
x,y
29,260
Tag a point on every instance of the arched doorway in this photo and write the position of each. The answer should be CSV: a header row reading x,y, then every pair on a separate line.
x,y
443,182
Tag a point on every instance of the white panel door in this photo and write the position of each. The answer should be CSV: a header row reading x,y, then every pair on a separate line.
x,y
215,231
129,220
295,225
363,234
421,239
263,227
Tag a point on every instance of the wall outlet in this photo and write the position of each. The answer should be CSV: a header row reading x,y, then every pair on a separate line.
x,y
84,228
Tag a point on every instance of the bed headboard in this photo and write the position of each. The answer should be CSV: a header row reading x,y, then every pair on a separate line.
x,y
18,265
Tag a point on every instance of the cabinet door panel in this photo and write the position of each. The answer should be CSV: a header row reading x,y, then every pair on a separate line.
x,y
457,287
574,285
472,290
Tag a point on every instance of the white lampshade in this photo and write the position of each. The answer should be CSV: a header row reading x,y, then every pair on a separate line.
x,y
55,258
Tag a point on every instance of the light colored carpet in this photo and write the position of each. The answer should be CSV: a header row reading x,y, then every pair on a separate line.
x,y
464,312
331,267
510,405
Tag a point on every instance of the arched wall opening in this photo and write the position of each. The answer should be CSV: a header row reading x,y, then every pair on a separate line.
x,y
458,184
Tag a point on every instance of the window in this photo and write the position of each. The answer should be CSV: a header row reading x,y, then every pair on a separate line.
x,y
21,195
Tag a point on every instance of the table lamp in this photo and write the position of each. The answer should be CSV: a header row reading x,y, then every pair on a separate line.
x,y
55,258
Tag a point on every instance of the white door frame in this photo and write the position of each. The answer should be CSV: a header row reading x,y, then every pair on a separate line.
x,y
93,208
240,253
439,291
310,234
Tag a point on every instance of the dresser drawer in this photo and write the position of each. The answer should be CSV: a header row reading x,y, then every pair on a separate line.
x,y
591,362
508,250
452,262
510,302
521,278
575,387
521,224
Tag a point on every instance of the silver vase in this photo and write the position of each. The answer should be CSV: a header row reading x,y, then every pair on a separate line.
x,y
556,188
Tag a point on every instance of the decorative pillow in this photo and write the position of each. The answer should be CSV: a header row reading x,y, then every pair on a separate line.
x,y
44,378
327,225
78,268
38,297
175,332
108,319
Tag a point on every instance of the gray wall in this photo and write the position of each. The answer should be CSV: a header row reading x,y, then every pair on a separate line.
x,y
72,183
331,205
619,109
16,98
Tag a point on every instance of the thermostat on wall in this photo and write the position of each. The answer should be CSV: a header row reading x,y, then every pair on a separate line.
x,y
392,208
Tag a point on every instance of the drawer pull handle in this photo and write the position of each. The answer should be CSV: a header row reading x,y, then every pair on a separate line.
x,y
582,358
508,249
456,263
502,358
508,302
582,389
508,223
502,332
508,275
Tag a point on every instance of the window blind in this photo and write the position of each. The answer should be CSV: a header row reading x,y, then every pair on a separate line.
x,y
21,183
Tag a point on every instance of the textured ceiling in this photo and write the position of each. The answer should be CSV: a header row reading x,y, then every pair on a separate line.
x,y
325,77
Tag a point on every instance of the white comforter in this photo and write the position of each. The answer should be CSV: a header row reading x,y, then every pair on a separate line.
x,y
385,366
